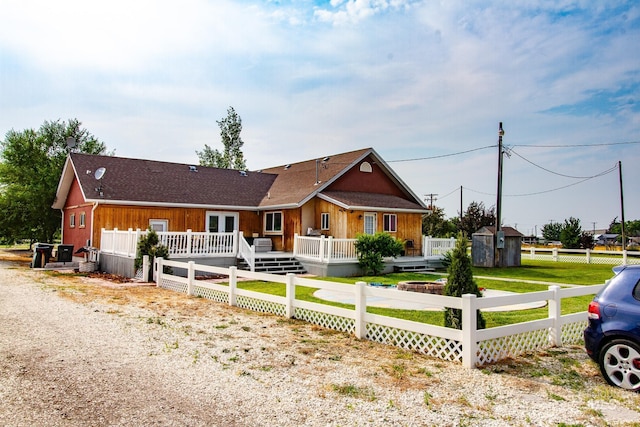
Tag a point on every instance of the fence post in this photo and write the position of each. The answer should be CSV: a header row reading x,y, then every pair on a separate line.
x,y
145,268
361,309
158,270
191,277
469,328
290,294
624,257
555,254
137,239
233,282
533,252
588,256
555,313
295,244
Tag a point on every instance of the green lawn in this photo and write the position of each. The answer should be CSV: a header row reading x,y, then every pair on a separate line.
x,y
552,272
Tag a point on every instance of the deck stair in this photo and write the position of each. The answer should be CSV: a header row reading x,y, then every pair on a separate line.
x,y
412,266
274,265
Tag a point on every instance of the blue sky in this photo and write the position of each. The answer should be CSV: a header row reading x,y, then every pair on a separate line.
x,y
412,79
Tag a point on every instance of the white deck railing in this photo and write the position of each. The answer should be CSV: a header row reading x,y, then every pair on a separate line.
x,y
469,345
436,246
186,244
325,249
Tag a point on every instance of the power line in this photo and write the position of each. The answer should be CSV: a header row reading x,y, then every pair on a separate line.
x,y
558,173
442,155
603,144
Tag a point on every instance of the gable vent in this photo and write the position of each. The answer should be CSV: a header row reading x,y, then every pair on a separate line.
x,y
366,167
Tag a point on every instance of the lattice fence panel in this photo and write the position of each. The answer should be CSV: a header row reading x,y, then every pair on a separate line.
x,y
438,347
500,348
260,305
329,321
139,274
573,333
173,285
211,294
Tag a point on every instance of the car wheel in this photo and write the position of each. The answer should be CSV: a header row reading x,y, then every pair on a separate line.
x,y
620,364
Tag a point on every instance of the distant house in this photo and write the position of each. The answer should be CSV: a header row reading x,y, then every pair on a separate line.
x,y
339,195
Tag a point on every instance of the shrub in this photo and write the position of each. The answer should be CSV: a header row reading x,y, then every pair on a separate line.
x,y
460,282
372,248
149,244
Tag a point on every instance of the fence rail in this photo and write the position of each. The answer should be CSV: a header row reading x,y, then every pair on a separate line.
x,y
470,346
584,256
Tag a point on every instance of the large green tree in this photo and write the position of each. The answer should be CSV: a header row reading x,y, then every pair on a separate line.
x,y
435,224
231,157
475,217
551,231
31,163
571,233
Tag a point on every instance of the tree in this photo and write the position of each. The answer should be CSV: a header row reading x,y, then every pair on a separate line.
x,y
459,282
30,167
372,248
586,240
475,217
436,225
551,232
631,228
570,233
231,157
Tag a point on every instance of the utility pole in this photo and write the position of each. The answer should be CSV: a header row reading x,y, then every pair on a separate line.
x,y
461,205
499,236
624,240
432,198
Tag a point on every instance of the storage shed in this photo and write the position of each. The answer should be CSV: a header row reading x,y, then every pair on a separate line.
x,y
483,250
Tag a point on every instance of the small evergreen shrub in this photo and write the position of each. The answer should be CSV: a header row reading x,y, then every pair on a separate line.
x,y
149,244
372,248
460,282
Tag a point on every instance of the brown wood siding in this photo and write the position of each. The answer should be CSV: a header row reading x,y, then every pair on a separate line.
x,y
375,181
124,217
347,224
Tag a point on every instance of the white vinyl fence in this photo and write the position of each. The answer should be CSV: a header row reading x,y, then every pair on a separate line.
x,y
584,256
469,346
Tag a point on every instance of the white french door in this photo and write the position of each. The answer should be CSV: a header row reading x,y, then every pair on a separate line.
x,y
222,222
370,220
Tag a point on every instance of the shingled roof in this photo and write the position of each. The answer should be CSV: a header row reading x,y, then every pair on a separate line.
x,y
147,182
152,183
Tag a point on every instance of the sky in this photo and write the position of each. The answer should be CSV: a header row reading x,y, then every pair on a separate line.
x,y
425,83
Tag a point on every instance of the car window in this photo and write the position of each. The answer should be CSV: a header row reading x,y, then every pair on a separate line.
x,y
636,291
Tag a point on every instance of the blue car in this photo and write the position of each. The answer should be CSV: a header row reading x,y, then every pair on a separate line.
x,y
612,338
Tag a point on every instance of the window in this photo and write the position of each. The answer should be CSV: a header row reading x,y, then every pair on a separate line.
x,y
159,225
370,223
82,219
72,220
390,223
221,222
324,221
273,222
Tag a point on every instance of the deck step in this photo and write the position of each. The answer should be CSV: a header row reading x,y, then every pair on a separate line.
x,y
274,265
407,268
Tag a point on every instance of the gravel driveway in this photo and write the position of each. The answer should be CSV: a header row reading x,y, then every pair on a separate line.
x,y
77,351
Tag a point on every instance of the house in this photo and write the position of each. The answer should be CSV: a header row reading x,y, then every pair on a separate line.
x,y
340,195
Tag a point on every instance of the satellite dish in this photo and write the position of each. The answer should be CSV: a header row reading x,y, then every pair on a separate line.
x,y
99,173
71,142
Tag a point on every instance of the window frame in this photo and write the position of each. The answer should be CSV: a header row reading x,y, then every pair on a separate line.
x,y
72,220
163,222
325,221
269,225
390,223
83,220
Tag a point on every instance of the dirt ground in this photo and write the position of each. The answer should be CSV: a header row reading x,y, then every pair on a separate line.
x,y
99,350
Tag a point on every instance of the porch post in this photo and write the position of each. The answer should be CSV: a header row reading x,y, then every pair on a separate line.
x,y
295,244
237,235
329,248
321,249
189,240
426,246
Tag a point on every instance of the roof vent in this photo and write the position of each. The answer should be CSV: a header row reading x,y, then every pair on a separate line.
x,y
286,167
243,173
193,168
366,167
